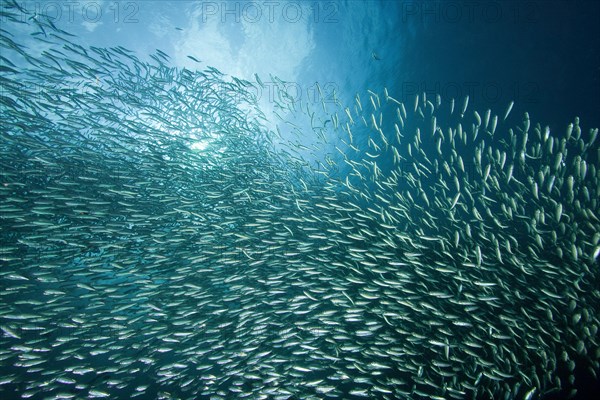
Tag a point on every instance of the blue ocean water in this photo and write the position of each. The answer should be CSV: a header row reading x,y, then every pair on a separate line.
x,y
544,56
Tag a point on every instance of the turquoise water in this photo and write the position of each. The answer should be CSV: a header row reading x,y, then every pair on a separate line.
x,y
299,200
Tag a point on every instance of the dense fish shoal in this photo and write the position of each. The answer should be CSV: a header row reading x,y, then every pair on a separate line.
x,y
159,240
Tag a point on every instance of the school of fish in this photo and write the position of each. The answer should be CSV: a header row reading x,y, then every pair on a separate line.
x,y
426,250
